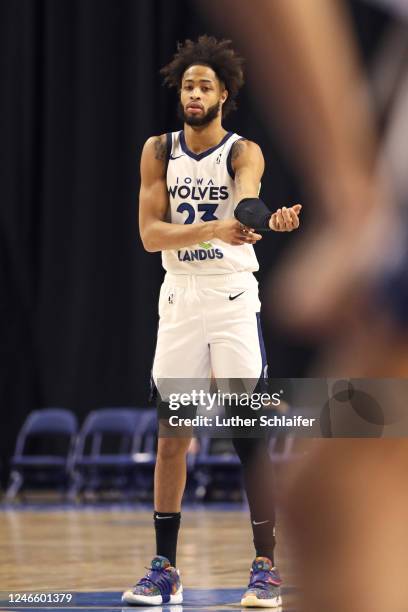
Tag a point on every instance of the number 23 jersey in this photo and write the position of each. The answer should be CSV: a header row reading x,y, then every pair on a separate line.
x,y
201,188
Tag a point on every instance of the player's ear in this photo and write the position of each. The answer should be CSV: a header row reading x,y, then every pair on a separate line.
x,y
224,96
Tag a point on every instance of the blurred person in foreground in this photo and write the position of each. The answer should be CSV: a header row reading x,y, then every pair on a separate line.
x,y
346,500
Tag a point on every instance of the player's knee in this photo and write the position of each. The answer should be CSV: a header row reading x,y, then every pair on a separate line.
x,y
172,448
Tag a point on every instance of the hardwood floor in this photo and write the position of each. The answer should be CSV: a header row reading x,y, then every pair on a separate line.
x,y
108,550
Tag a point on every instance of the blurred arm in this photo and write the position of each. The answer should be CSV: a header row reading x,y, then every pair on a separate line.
x,y
303,64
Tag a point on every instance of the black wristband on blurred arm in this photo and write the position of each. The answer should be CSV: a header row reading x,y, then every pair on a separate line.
x,y
254,213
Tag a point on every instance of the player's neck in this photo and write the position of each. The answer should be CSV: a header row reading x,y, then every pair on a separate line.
x,y
201,138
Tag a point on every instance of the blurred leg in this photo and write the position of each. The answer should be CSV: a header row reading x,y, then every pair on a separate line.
x,y
346,511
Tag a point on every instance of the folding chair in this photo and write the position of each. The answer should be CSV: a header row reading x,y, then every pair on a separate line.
x,y
144,455
47,427
93,468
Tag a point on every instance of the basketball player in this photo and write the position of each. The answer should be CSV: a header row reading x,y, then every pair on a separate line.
x,y
199,205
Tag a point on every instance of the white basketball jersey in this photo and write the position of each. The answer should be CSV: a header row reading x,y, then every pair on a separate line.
x,y
201,188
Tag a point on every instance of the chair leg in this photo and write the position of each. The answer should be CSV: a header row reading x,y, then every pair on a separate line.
x,y
16,482
75,487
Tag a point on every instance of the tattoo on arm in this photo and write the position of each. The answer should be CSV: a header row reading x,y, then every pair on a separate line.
x,y
237,149
160,148
246,170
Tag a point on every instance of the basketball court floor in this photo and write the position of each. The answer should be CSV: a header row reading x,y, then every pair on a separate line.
x,y
95,552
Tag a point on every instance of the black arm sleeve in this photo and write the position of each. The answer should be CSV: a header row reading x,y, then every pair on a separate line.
x,y
252,212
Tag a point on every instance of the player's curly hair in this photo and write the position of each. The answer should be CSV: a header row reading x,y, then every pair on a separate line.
x,y
208,51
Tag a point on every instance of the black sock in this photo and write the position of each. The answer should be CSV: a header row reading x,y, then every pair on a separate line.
x,y
260,490
260,493
264,537
167,525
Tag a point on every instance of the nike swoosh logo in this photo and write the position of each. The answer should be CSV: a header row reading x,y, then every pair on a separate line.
x,y
234,297
260,522
172,156
163,517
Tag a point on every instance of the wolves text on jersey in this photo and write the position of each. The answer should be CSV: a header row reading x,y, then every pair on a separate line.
x,y
198,189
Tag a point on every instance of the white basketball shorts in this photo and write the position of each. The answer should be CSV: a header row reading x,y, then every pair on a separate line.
x,y
209,326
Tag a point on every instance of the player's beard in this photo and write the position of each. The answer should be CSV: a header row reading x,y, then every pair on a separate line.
x,y
211,114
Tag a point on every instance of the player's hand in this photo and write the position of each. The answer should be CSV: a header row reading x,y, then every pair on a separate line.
x,y
233,232
285,219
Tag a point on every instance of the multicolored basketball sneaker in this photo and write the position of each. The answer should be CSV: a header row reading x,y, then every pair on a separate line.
x,y
161,585
264,585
